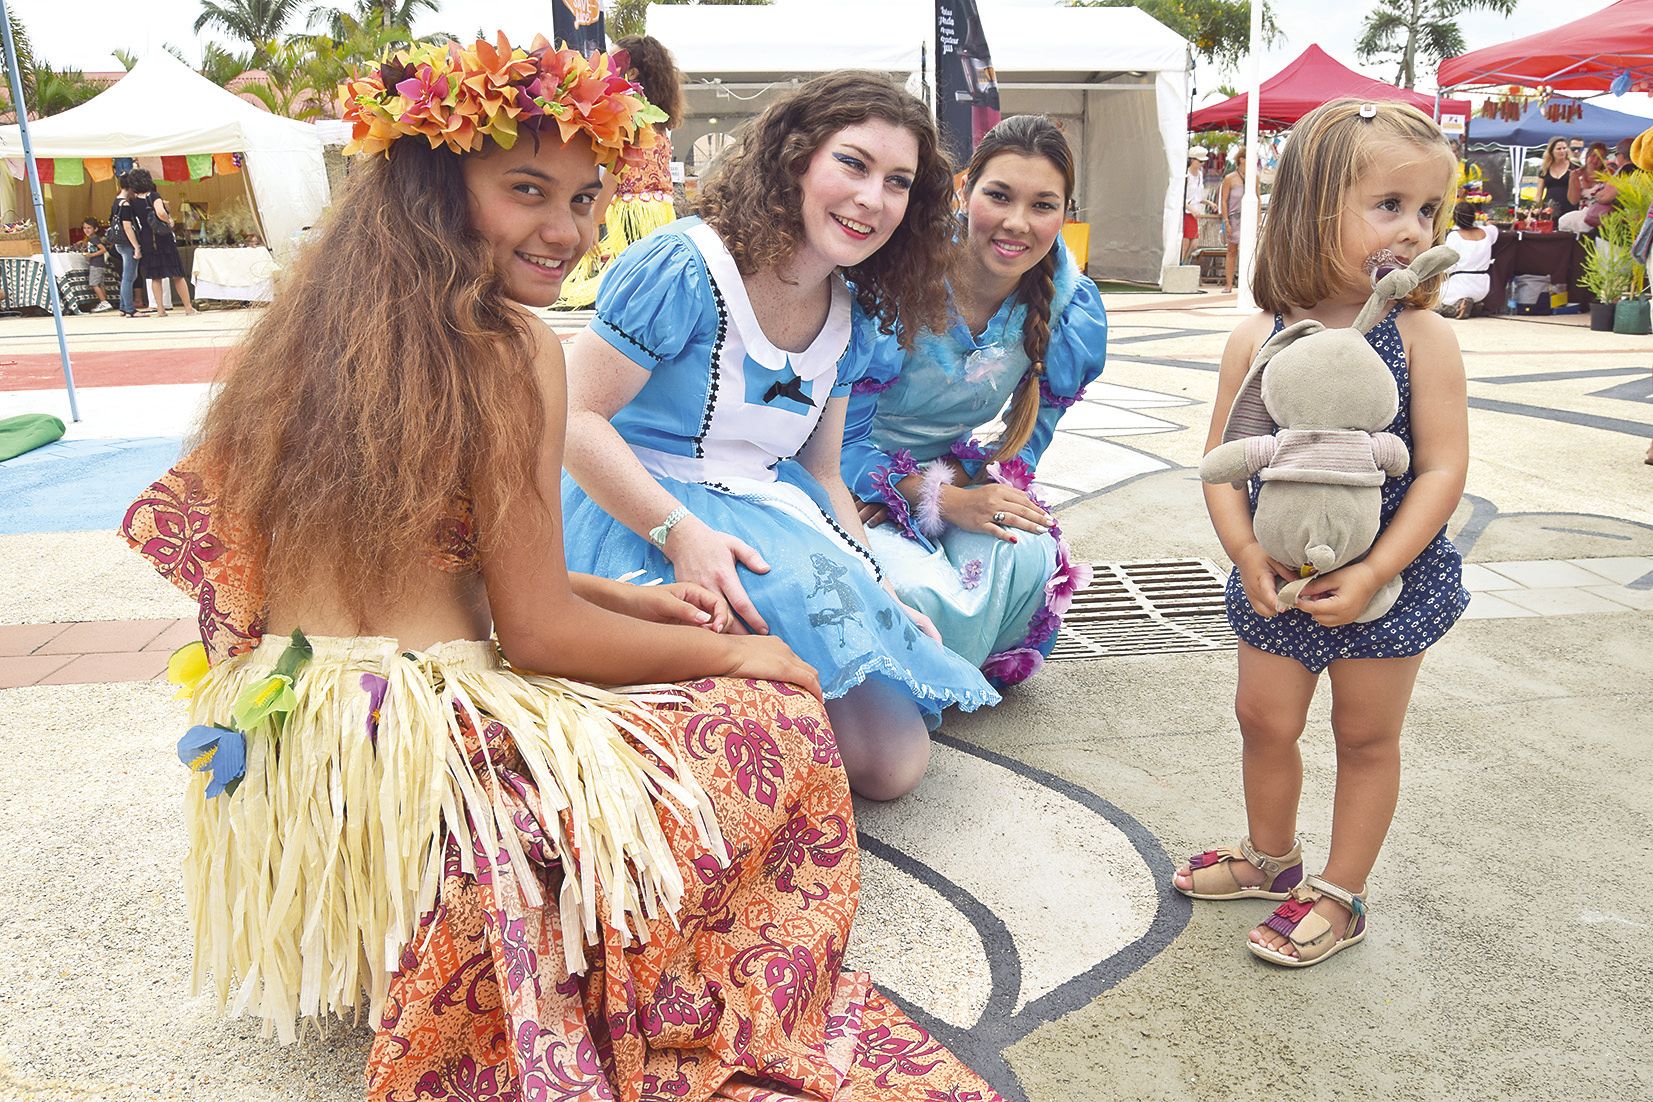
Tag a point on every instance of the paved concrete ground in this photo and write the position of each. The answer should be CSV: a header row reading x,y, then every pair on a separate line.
x,y
1016,901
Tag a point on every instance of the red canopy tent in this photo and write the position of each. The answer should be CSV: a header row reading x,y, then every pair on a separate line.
x,y
1588,54
1313,79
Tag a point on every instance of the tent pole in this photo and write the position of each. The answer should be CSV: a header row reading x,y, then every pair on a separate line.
x,y
252,206
15,74
1250,203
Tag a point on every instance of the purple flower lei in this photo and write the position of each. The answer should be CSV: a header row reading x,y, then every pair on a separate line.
x,y
1050,397
884,478
873,386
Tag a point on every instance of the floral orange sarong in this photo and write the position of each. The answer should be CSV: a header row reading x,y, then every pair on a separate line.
x,y
741,995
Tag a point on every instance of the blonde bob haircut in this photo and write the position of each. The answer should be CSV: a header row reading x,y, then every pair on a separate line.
x,y
1299,258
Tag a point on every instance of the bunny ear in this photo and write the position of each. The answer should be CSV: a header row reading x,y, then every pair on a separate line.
x,y
1402,282
1248,416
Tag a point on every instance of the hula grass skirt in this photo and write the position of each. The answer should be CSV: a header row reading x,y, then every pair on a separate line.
x,y
629,220
532,887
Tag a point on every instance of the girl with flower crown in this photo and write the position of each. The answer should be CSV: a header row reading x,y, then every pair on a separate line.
x,y
956,525
393,807
708,397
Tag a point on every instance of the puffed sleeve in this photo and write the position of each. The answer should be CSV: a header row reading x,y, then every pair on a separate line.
x,y
1078,348
879,357
654,298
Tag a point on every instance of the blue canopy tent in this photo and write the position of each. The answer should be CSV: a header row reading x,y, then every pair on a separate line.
x,y
1597,124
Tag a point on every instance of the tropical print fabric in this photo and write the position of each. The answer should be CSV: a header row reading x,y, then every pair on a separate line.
x,y
739,995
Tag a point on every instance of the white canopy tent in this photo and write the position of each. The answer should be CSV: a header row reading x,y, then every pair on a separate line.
x,y
163,108
1114,77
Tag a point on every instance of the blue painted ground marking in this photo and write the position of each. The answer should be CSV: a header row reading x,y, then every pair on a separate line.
x,y
80,485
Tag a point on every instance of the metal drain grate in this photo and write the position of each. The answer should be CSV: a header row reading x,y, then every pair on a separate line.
x,y
1146,608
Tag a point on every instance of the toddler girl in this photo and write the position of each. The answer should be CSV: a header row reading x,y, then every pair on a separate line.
x,y
1360,186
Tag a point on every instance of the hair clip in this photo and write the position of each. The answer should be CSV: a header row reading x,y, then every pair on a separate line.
x,y
1368,110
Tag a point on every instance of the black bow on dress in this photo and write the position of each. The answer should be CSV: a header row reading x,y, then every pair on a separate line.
x,y
793,388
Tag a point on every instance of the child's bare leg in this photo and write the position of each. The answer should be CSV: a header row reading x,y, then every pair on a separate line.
x,y
1369,699
1272,704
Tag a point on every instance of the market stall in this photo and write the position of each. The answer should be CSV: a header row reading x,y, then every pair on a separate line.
x,y
1307,82
206,147
1114,79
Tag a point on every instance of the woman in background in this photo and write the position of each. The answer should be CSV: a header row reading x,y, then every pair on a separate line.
x,y
161,261
636,198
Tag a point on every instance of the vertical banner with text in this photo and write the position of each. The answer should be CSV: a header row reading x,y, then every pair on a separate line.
x,y
967,92
578,24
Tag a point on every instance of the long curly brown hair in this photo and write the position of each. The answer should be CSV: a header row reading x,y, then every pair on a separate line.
x,y
1031,136
652,66
390,379
754,201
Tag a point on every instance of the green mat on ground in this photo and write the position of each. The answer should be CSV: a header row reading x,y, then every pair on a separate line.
x,y
1120,287
27,432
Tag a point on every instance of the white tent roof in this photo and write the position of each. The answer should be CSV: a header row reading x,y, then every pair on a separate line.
x,y
163,108
807,37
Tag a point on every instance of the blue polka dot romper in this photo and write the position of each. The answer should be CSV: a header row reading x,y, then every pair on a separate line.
x,y
1432,596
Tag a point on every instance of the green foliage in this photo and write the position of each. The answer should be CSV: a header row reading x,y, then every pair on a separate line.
x,y
1218,30
1406,30
258,23
1610,272
626,17
46,90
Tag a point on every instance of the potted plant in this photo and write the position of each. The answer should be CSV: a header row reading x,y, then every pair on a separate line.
x,y
1618,228
1606,275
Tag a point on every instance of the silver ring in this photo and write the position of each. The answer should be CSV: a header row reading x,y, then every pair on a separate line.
x,y
998,518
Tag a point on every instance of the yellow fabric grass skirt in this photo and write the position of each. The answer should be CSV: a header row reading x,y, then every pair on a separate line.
x,y
629,219
308,880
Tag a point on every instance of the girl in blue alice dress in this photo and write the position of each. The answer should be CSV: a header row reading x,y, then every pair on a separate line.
x,y
955,524
1360,186
707,403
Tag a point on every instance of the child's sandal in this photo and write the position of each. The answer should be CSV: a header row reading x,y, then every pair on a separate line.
x,y
1309,932
1212,878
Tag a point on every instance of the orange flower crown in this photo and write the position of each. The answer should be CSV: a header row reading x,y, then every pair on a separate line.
x,y
456,96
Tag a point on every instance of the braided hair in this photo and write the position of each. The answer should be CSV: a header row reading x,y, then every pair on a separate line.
x,y
1030,136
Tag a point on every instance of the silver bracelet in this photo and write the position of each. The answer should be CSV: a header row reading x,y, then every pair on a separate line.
x,y
657,535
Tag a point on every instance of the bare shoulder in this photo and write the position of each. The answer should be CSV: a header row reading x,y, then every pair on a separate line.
x,y
1432,354
1247,338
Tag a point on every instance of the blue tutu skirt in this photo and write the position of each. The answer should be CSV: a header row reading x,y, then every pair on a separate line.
x,y
981,592
821,595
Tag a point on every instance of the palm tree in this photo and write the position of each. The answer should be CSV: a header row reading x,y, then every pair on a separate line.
x,y
25,62
222,66
58,90
341,23
626,17
258,23
1404,30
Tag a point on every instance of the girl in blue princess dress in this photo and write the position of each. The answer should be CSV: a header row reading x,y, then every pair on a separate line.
x,y
1360,186
707,403
954,524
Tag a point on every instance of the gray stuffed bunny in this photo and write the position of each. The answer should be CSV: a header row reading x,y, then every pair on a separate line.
x,y
1322,471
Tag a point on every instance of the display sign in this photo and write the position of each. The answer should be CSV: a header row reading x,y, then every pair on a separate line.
x,y
578,24
967,90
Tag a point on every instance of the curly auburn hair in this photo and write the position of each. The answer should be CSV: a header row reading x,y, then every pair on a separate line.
x,y
1029,136
754,202
390,380
651,65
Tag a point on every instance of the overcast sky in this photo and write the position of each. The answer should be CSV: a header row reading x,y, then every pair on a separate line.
x,y
82,33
